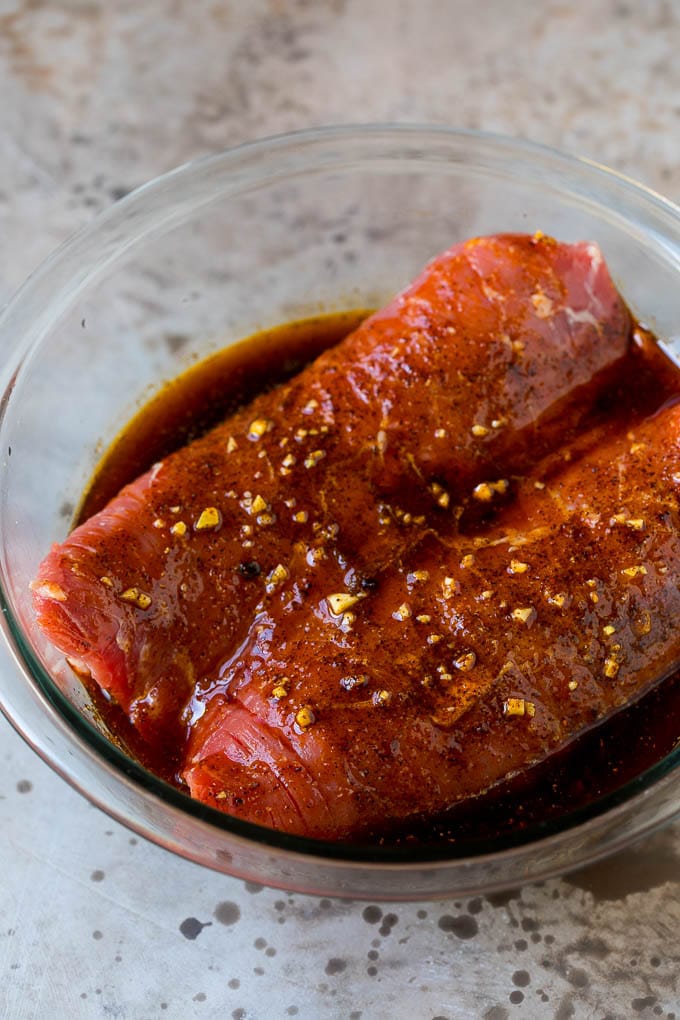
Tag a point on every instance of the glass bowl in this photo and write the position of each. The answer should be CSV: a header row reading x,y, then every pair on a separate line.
x,y
273,231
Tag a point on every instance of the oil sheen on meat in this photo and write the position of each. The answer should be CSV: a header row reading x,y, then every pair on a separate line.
x,y
424,564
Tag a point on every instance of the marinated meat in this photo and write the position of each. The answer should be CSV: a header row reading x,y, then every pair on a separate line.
x,y
470,660
255,603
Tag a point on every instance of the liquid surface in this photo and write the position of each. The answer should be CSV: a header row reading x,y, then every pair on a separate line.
x,y
597,763
206,393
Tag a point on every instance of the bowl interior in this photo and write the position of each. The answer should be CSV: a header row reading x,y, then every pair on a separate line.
x,y
277,231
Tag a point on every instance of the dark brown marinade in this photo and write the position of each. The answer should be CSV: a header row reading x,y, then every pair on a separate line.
x,y
597,763
591,767
208,392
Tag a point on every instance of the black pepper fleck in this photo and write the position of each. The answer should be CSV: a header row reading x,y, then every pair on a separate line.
x,y
250,569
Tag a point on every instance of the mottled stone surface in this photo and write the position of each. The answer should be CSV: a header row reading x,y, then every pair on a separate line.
x,y
96,98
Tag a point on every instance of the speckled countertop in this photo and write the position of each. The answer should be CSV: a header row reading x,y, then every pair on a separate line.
x,y
95,99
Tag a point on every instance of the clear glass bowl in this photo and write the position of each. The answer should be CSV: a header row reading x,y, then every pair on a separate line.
x,y
328,219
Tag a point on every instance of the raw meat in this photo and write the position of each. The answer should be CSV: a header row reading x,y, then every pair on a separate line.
x,y
470,661
199,598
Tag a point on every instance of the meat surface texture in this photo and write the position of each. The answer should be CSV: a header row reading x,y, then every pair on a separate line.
x,y
384,586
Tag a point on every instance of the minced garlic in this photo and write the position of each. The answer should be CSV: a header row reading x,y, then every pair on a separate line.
x,y
277,576
402,613
526,614
485,491
209,520
280,690
638,570
349,683
635,523
611,667
465,662
258,505
519,707
314,457
517,567
305,717
136,598
259,427
440,494
341,602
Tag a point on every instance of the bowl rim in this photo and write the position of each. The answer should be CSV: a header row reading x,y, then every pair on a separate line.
x,y
279,143
50,279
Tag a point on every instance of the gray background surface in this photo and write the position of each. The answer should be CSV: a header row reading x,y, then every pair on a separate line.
x,y
95,98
